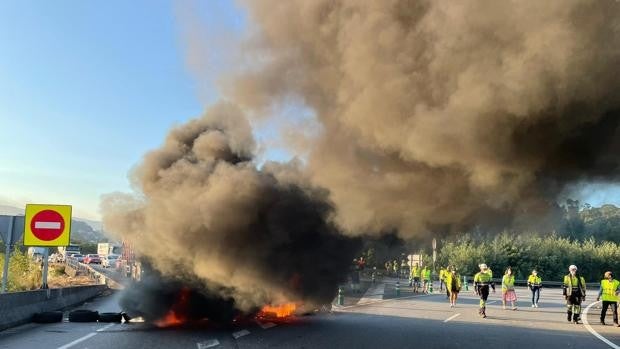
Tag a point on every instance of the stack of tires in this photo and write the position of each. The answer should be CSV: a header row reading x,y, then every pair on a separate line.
x,y
79,315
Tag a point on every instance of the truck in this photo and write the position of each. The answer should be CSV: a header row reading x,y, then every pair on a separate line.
x,y
106,248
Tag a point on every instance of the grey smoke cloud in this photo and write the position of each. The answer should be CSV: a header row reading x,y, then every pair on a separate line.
x,y
436,111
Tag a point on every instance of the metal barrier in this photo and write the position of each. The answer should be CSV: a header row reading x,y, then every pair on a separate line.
x,y
85,269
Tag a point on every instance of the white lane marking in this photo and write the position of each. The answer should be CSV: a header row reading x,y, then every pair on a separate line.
x,y
336,307
239,334
266,325
81,339
452,317
105,327
208,344
491,302
591,330
47,225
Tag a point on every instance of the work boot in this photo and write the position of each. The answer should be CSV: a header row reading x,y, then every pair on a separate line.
x,y
616,324
602,322
576,319
569,316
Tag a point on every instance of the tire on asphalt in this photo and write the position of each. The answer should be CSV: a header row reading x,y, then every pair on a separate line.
x,y
82,315
47,317
110,317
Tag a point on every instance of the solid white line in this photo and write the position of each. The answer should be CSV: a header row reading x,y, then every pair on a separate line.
x,y
589,328
451,317
81,339
47,225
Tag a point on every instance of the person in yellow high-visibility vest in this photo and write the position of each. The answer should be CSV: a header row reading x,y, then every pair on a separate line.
x,y
415,277
426,279
609,294
482,282
444,273
508,289
575,293
453,283
534,283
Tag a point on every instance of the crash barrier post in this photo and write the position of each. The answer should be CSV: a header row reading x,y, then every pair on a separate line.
x,y
465,283
397,288
340,296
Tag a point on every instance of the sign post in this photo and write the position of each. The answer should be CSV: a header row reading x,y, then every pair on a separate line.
x,y
434,252
45,267
7,255
47,226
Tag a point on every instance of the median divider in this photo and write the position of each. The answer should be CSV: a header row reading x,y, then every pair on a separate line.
x,y
17,308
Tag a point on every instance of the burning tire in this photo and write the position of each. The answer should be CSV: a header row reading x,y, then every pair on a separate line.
x,y
47,317
110,317
82,315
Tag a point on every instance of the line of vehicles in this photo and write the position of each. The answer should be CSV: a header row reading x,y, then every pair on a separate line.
x,y
107,255
107,261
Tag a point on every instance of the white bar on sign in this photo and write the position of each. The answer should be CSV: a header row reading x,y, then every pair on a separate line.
x,y
47,225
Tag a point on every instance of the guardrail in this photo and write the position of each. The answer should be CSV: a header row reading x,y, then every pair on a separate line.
x,y
85,269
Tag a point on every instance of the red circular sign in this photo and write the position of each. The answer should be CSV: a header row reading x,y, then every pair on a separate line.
x,y
47,225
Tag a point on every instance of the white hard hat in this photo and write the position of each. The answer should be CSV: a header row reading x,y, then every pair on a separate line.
x,y
572,267
483,266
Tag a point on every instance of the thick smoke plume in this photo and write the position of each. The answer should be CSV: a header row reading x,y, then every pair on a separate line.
x,y
429,115
208,219
442,114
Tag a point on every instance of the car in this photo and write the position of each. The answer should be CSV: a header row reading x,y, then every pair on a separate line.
x,y
78,257
92,259
109,260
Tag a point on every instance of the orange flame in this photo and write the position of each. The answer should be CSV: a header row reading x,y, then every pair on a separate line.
x,y
171,319
175,317
280,311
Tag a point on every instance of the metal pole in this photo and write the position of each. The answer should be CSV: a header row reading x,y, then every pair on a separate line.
x,y
7,255
45,266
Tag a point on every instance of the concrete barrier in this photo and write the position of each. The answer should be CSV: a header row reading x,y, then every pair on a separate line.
x,y
17,308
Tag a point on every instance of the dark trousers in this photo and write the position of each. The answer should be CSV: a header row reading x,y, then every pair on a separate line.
x,y
573,305
614,308
483,291
535,294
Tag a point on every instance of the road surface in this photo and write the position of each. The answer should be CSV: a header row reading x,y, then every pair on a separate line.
x,y
375,319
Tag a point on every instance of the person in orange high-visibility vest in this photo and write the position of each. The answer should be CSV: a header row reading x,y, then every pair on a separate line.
x,y
609,294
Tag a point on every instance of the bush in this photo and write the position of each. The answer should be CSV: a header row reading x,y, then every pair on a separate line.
x,y
24,273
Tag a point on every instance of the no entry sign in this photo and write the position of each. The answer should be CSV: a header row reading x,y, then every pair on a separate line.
x,y
47,225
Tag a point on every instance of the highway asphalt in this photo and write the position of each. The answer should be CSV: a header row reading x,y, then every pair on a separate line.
x,y
375,320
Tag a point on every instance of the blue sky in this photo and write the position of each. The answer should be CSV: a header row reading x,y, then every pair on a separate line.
x,y
87,87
